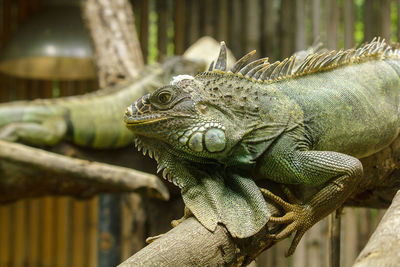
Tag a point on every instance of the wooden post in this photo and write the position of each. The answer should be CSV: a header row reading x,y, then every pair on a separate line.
x,y
144,28
207,17
252,25
334,229
223,20
179,26
350,236
385,18
300,255
286,28
316,19
332,28
268,28
62,224
34,212
5,233
235,28
6,17
313,246
371,19
193,21
93,222
78,231
162,25
47,254
364,227
20,224
301,40
349,14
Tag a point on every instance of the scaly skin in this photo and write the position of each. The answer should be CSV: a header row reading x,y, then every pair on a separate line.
x,y
91,120
217,132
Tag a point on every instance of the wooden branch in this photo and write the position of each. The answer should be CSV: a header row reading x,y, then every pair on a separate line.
x,y
193,245
383,247
190,244
118,56
27,172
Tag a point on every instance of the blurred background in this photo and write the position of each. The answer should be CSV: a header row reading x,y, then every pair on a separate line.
x,y
61,231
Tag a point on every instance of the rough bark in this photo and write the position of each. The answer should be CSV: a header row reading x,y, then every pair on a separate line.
x,y
382,248
27,171
117,50
190,244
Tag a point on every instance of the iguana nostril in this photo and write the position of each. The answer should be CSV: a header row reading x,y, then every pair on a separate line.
x,y
146,99
128,111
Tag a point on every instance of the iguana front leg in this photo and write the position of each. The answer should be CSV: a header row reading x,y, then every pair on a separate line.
x,y
339,172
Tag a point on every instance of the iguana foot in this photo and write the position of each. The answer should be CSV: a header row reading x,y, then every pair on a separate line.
x,y
299,217
187,213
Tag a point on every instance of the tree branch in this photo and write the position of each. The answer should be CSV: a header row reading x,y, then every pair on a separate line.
x,y
27,171
383,247
118,56
190,244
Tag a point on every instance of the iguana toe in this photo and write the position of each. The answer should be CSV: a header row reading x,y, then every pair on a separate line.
x,y
187,213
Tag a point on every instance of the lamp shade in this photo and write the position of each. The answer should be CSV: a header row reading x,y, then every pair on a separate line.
x,y
52,44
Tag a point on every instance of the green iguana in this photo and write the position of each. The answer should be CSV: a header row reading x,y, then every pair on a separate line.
x,y
215,134
91,120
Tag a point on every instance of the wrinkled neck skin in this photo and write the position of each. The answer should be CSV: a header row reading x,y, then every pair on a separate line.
x,y
171,162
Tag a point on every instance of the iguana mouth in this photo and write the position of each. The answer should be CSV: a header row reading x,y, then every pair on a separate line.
x,y
133,117
142,121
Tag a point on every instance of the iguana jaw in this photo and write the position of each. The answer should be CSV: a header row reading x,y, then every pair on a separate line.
x,y
136,121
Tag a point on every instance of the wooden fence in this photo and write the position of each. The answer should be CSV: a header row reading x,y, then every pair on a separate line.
x,y
60,231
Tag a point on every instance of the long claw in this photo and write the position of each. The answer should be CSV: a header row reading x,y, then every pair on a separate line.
x,y
287,218
285,205
287,231
295,242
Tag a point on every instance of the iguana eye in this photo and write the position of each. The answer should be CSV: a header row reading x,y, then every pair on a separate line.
x,y
164,97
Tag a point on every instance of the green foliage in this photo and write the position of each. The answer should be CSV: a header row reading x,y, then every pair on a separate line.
x,y
153,32
393,19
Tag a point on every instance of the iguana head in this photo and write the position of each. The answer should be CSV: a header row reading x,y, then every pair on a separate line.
x,y
182,118
204,118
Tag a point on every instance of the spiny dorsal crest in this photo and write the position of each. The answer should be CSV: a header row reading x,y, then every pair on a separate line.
x,y
263,71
